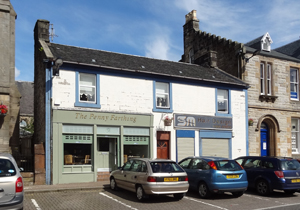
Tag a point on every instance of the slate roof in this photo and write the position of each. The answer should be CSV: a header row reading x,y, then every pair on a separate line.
x,y
254,45
138,64
291,49
26,90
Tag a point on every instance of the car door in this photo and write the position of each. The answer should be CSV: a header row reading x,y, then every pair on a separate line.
x,y
121,175
185,165
253,169
134,174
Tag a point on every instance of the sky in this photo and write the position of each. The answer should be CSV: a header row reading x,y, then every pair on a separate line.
x,y
150,28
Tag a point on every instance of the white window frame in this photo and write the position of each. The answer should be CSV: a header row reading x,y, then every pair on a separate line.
x,y
262,79
161,95
296,83
295,136
269,79
222,99
93,87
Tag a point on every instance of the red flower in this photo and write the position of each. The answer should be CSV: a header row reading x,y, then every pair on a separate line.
x,y
3,109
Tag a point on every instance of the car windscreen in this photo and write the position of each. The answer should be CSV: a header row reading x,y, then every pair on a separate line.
x,y
7,168
227,165
290,164
165,167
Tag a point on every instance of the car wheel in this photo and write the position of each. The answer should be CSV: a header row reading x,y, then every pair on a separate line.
x,y
203,190
290,192
113,184
237,194
140,194
262,187
178,196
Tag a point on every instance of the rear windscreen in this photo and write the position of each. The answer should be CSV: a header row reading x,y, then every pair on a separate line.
x,y
165,167
290,164
6,168
227,165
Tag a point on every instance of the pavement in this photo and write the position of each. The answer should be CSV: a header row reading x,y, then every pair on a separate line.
x,y
66,187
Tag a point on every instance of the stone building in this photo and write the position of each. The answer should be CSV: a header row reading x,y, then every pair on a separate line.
x,y
96,109
273,98
9,94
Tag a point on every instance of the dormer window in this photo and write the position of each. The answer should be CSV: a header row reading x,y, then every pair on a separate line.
x,y
266,42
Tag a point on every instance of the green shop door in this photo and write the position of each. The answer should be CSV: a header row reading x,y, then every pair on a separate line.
x,y
107,153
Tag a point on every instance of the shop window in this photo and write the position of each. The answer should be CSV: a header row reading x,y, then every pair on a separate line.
x,y
295,136
87,90
294,83
162,97
131,151
77,154
222,101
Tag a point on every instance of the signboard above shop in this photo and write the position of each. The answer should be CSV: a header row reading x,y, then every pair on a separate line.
x,y
202,122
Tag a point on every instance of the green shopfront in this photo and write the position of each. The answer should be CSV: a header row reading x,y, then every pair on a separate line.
x,y
86,146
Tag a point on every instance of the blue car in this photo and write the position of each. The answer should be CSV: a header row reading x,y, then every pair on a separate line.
x,y
211,175
266,174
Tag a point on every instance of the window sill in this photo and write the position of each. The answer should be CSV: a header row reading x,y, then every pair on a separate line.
x,y
90,105
168,110
267,98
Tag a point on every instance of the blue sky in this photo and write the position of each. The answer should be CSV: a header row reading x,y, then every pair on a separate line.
x,y
151,28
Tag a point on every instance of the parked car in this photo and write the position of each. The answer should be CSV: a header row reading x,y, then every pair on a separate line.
x,y
151,177
211,175
11,183
268,173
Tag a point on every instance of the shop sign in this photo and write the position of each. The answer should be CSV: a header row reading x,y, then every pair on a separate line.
x,y
202,122
104,117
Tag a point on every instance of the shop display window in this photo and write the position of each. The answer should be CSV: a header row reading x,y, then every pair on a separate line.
x,y
131,151
77,154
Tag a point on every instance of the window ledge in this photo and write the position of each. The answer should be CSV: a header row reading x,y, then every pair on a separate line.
x,y
267,98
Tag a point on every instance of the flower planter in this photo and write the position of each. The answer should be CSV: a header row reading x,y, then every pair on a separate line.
x,y
2,114
168,122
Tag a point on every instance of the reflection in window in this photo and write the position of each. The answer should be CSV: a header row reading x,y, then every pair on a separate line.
x,y
222,100
77,154
87,87
295,136
162,95
294,82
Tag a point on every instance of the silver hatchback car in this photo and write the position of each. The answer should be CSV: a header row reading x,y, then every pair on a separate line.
x,y
11,183
151,177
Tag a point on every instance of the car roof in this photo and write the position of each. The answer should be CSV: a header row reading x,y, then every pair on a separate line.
x,y
154,160
208,158
266,157
5,155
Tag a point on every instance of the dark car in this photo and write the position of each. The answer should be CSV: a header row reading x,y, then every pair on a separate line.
x,y
211,175
266,174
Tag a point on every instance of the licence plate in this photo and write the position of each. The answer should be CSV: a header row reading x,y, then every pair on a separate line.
x,y
175,179
232,176
295,180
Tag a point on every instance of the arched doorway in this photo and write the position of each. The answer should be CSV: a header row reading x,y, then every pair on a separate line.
x,y
268,127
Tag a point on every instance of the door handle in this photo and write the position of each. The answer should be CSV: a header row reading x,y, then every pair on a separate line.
x,y
125,175
1,190
135,177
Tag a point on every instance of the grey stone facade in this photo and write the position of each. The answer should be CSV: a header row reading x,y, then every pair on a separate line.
x,y
275,110
9,94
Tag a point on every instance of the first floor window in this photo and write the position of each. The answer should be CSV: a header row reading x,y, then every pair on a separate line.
x,y
265,79
294,82
87,87
162,95
295,135
222,101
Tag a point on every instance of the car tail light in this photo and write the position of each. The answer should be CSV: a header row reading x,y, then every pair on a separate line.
x,y
151,179
239,165
212,165
279,174
186,179
19,185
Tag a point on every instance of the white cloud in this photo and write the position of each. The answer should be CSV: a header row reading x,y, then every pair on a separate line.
x,y
17,72
158,48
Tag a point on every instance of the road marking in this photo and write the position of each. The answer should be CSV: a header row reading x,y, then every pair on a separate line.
x,y
204,203
285,205
260,198
118,201
35,204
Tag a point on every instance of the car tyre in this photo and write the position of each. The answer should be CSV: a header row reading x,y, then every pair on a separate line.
x,y
203,190
178,196
238,194
113,184
262,187
140,194
290,192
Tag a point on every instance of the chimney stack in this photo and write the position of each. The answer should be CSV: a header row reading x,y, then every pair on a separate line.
x,y
41,30
191,16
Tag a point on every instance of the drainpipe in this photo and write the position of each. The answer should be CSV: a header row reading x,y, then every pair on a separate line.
x,y
48,124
